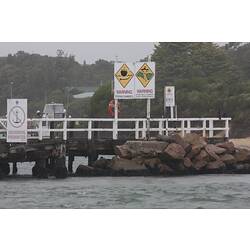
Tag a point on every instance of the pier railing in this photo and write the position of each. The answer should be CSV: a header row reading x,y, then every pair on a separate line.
x,y
129,128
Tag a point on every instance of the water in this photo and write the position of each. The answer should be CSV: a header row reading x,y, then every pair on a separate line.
x,y
206,191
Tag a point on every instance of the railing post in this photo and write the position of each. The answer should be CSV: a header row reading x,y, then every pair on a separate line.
x,y
166,128
188,126
204,128
40,132
161,127
137,129
89,130
65,129
227,128
183,128
115,127
211,128
144,128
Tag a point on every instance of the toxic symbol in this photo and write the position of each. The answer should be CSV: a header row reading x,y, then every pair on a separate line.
x,y
124,75
145,75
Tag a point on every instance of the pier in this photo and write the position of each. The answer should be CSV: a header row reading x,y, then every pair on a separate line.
x,y
50,140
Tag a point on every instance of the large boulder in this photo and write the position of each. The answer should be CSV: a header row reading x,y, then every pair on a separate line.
x,y
102,163
210,149
164,169
199,165
146,148
229,146
174,151
195,150
83,170
119,164
228,159
152,163
194,139
123,151
203,155
215,165
242,156
215,149
176,138
187,163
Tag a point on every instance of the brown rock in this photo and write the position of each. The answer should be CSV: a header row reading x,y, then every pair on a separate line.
x,y
194,139
215,149
210,150
123,151
165,169
149,148
242,155
203,155
175,151
83,170
216,165
152,163
102,163
195,150
228,159
118,164
198,165
176,138
187,163
229,146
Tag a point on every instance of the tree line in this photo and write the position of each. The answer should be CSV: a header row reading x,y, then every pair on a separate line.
x,y
210,80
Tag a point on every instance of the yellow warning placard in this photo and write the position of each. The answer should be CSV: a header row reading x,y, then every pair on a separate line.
x,y
145,75
124,75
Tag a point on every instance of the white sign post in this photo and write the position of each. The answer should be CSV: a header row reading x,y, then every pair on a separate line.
x,y
169,99
17,120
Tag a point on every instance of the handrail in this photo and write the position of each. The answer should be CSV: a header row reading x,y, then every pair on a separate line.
x,y
163,126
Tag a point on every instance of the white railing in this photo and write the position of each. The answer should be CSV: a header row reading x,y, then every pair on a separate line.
x,y
140,128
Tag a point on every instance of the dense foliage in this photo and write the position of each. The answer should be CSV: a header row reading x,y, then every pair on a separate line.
x,y
209,79
44,79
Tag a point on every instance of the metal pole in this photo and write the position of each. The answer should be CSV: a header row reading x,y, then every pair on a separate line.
x,y
116,120
172,112
148,118
11,91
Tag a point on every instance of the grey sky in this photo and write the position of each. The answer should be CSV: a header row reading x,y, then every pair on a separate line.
x,y
124,51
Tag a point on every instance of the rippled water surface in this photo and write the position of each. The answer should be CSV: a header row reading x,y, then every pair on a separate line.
x,y
207,191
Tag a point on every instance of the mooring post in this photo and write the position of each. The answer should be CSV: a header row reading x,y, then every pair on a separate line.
x,y
14,169
70,163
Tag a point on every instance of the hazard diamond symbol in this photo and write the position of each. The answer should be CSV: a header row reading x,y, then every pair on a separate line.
x,y
145,75
124,75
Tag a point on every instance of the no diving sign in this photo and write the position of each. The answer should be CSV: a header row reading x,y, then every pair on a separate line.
x,y
17,120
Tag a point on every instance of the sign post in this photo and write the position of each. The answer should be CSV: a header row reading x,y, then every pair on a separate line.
x,y
17,120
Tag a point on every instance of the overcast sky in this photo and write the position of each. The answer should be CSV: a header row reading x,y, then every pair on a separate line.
x,y
84,51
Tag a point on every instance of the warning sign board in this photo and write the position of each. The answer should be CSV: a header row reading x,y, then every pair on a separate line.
x,y
124,81
124,75
145,80
169,96
17,120
145,75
